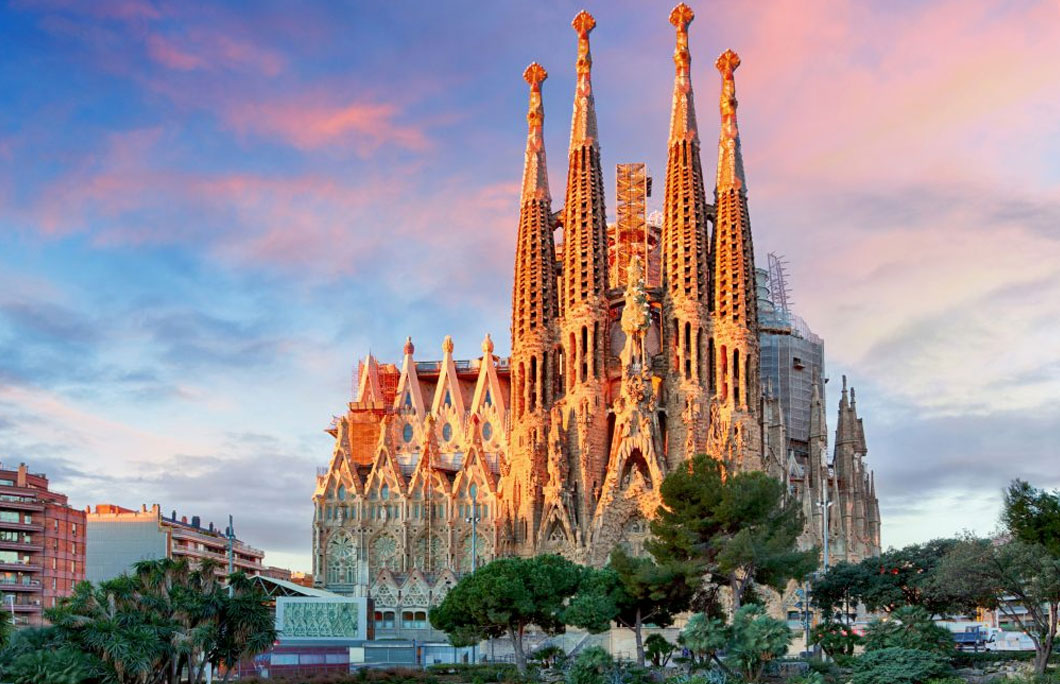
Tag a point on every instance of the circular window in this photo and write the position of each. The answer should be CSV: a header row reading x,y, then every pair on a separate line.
x,y
487,431
406,433
447,432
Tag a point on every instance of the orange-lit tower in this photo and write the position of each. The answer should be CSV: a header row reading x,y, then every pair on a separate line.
x,y
686,274
534,315
583,298
735,435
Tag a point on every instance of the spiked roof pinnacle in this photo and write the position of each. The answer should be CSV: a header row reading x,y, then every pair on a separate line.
x,y
535,75
583,24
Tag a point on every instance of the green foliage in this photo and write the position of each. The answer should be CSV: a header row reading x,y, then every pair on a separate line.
x,y
632,591
506,596
986,571
714,676
838,591
909,577
549,656
65,665
703,636
739,529
899,666
658,649
755,640
898,577
152,623
909,627
810,677
591,666
836,639
1033,515
491,672
750,643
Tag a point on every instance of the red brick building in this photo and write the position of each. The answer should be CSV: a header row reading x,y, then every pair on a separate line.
x,y
42,545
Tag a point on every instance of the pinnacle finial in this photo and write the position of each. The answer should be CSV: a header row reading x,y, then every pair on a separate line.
x,y
447,344
681,17
583,123
583,24
730,160
535,173
487,345
535,75
409,347
727,63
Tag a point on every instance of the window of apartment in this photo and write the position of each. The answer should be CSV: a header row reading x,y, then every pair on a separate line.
x,y
9,516
53,583
9,483
384,619
7,535
73,528
8,556
414,619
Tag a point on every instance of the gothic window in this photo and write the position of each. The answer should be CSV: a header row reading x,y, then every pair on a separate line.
x,y
384,554
342,493
448,399
341,559
483,551
406,433
408,401
430,554
384,492
487,400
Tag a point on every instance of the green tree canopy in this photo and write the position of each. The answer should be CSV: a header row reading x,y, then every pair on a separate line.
x,y
1019,579
738,528
632,591
145,628
505,597
1033,515
909,627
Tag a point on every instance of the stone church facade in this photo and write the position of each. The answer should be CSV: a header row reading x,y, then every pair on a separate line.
x,y
612,382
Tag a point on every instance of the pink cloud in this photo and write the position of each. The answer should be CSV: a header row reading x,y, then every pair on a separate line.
x,y
166,53
307,124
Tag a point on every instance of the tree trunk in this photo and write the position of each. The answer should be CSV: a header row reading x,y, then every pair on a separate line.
x,y
637,635
1044,647
737,592
516,636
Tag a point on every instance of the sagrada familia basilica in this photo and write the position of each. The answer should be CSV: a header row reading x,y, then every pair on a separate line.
x,y
614,380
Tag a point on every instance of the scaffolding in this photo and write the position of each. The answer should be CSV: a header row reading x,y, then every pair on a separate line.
x,y
630,235
778,283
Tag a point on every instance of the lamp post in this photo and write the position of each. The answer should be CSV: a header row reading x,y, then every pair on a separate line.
x,y
473,521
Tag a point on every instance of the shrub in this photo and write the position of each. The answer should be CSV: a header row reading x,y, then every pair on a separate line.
x,y
60,666
910,627
896,665
658,649
837,640
591,666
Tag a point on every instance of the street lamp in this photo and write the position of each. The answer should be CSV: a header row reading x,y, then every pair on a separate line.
x,y
473,521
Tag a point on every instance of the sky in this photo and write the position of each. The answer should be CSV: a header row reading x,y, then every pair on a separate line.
x,y
210,211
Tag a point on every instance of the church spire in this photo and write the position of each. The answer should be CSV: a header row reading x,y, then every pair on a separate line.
x,y
730,158
535,171
583,123
534,307
686,274
683,114
584,330
585,227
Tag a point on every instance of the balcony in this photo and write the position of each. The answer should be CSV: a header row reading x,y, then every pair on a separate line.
x,y
20,546
23,567
34,506
22,527
14,585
